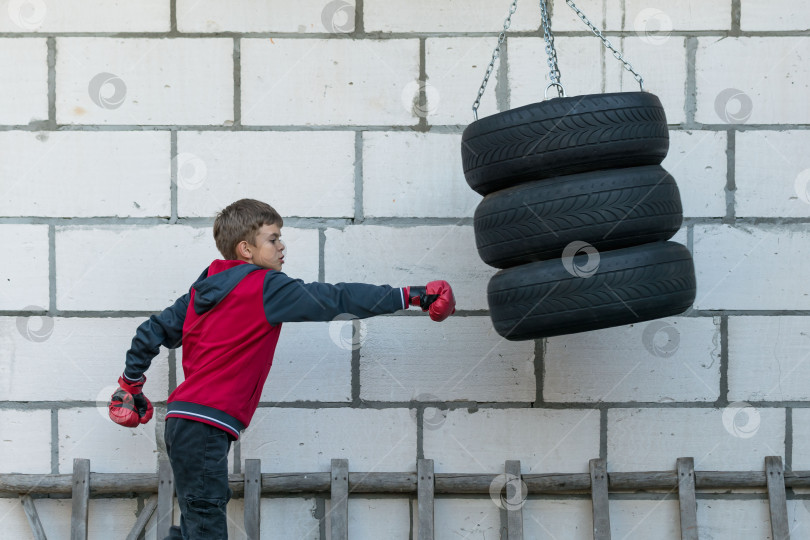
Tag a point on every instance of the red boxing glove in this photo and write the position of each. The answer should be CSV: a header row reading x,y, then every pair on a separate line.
x,y
436,298
128,406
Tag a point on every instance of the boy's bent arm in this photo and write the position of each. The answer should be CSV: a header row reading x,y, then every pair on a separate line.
x,y
291,300
165,329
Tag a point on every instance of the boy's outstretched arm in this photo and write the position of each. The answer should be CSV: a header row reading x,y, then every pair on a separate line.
x,y
292,300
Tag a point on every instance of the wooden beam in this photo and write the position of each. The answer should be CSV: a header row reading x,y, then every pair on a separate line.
x,y
600,500
165,508
424,498
143,518
776,498
515,497
81,499
253,498
686,498
340,499
33,517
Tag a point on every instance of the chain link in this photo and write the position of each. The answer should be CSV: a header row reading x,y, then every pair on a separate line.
x,y
495,54
554,73
606,43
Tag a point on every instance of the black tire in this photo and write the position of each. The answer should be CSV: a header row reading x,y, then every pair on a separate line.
x,y
609,209
564,136
630,285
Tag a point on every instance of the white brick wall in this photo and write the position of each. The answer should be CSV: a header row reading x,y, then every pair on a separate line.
x,y
296,440
447,16
773,15
88,433
24,283
462,358
106,518
737,438
372,519
473,519
64,359
773,174
801,439
24,88
294,517
543,440
767,262
409,256
547,519
640,520
770,73
415,175
84,16
725,520
144,81
25,433
697,162
329,81
675,359
654,17
769,358
300,174
122,174
110,267
303,16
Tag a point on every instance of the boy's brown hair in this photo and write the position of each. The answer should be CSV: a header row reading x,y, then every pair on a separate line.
x,y
241,221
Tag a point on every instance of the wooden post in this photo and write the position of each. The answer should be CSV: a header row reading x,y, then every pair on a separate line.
x,y
33,517
253,498
686,497
81,499
165,508
340,499
599,497
514,501
775,476
424,489
143,518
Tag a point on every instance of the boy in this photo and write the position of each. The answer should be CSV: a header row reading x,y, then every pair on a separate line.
x,y
228,325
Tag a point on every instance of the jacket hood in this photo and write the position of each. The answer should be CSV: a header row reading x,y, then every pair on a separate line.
x,y
217,281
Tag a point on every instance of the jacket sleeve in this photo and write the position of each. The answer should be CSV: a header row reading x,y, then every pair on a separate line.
x,y
291,300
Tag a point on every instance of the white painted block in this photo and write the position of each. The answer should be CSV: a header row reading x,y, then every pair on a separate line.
x,y
302,16
25,446
471,519
768,262
736,438
329,81
446,16
89,433
546,519
24,284
281,517
455,68
301,254
106,518
772,174
66,359
675,359
296,440
137,81
312,363
642,520
85,174
769,358
730,520
543,440
113,267
654,19
801,439
460,359
84,16
564,19
754,80
697,161
661,64
774,15
529,75
409,256
24,82
13,520
307,174
372,519
415,175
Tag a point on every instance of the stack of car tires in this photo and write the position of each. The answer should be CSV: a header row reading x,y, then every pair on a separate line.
x,y
577,213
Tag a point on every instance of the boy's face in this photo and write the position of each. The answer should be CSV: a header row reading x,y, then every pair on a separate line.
x,y
267,250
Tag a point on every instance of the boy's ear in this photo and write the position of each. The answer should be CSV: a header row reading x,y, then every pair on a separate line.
x,y
242,251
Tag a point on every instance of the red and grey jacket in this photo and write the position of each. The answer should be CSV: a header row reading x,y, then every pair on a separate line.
x,y
229,324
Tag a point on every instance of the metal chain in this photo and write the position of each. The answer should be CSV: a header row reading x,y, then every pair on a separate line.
x,y
605,42
495,54
554,73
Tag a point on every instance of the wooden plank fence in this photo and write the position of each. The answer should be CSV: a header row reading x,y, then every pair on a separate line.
x,y
339,483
